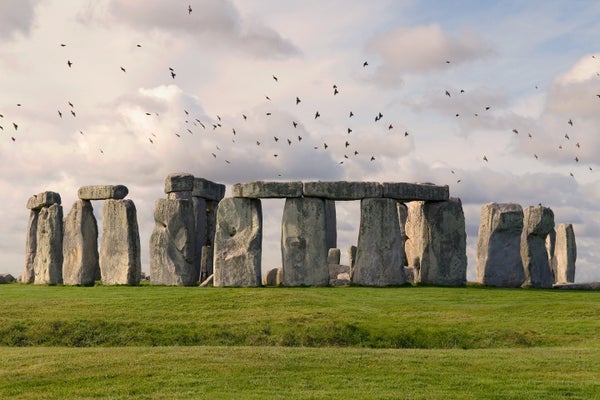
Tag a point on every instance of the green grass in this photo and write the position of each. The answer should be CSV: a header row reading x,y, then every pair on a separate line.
x,y
313,343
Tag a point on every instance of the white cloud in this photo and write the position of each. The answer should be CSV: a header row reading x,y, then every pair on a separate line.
x,y
16,17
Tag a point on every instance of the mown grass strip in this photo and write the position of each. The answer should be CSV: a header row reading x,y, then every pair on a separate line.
x,y
298,373
407,317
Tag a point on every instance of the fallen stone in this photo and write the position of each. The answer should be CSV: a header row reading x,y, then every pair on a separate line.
x,y
499,261
342,190
47,264
304,242
238,243
336,269
440,230
537,223
341,280
102,192
120,260
44,199
80,245
28,275
208,190
565,254
207,281
416,191
270,278
577,286
6,278
379,254
172,244
264,190
179,182
333,256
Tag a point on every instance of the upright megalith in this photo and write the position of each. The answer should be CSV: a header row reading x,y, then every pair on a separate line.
x,y
120,262
80,245
43,248
238,243
402,216
499,261
437,238
330,224
304,242
565,254
172,258
199,236
379,259
47,265
537,223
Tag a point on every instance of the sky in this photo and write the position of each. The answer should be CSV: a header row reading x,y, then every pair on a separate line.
x,y
154,88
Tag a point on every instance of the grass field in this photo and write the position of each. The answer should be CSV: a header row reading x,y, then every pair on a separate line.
x,y
309,343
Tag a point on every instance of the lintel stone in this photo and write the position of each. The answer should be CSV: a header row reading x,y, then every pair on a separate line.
x,y
44,199
179,182
208,190
341,190
102,192
265,190
415,191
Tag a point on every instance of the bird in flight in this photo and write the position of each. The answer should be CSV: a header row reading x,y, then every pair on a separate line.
x,y
295,124
448,93
275,78
317,115
189,9
570,122
485,158
351,114
123,69
297,100
365,64
69,63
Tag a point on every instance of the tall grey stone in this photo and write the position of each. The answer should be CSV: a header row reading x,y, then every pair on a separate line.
x,y
304,242
537,223
333,256
80,245
551,244
379,253
238,243
200,230
352,257
172,256
120,262
565,254
212,207
206,262
499,260
439,229
402,216
47,264
28,275
331,224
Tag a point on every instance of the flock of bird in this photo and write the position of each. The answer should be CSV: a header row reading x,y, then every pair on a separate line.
x,y
344,149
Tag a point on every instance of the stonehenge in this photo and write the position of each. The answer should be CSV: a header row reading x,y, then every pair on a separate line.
x,y
409,233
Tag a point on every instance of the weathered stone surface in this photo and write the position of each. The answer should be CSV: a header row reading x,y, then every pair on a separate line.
x,y
271,277
102,192
337,269
330,224
304,242
179,182
80,245
578,286
44,199
28,275
207,281
172,244
379,255
238,243
47,264
342,190
565,254
352,257
208,190
212,208
439,229
186,195
341,280
200,226
402,216
499,260
415,191
551,244
333,256
206,262
6,278
409,273
120,262
264,190
537,223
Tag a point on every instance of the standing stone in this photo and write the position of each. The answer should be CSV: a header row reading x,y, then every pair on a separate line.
x,y
270,278
352,257
28,275
304,242
206,262
120,262
402,216
80,245
211,221
333,256
439,228
238,243
499,260
379,255
565,254
47,264
331,224
172,244
537,223
200,226
551,244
